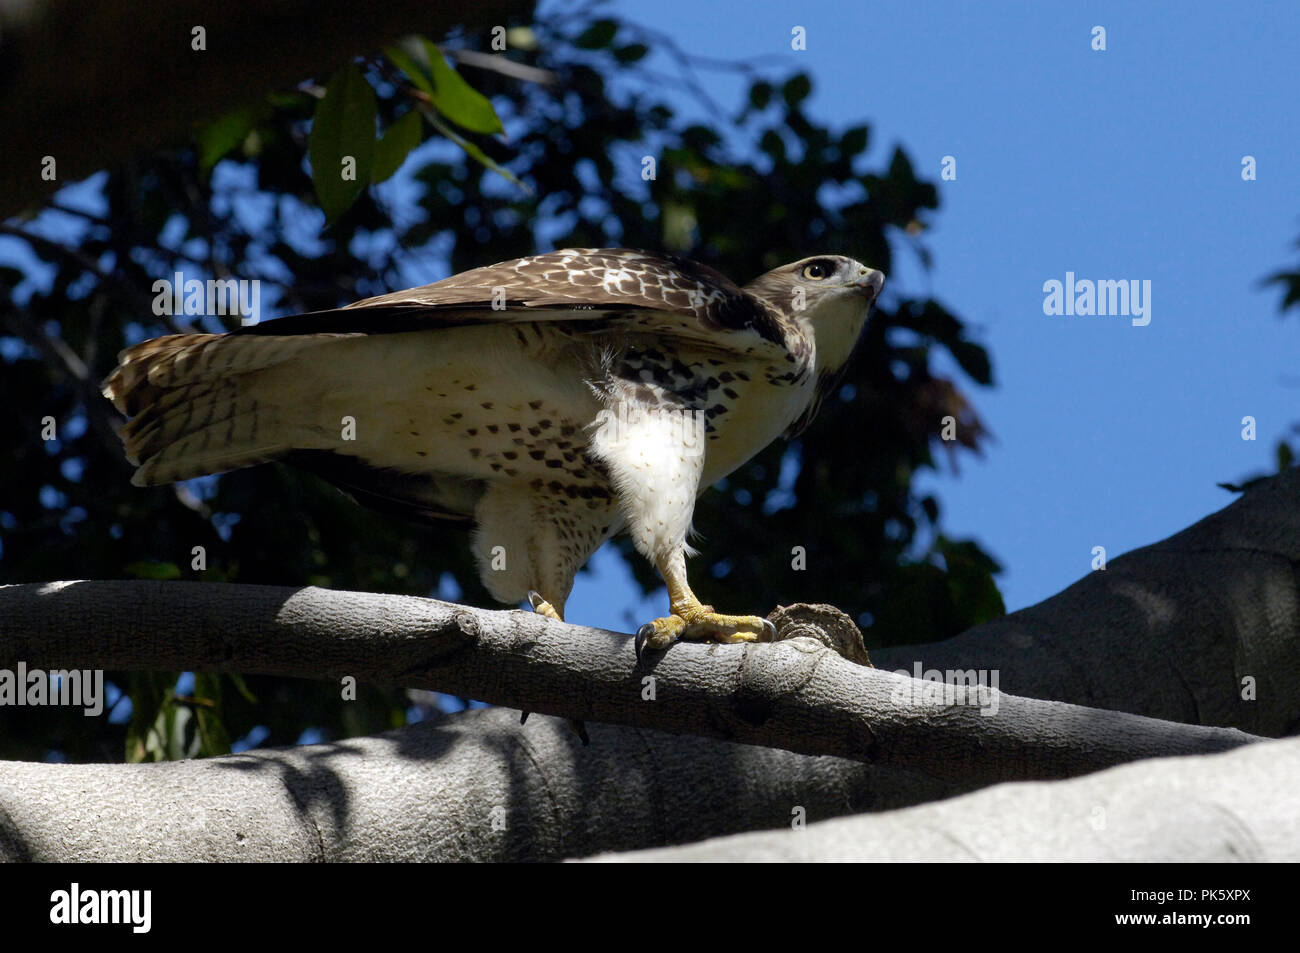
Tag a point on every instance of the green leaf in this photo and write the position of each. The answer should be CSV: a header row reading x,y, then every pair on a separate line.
x,y
631,53
220,137
900,170
397,142
343,128
242,687
796,89
166,739
404,58
854,140
975,594
450,94
148,569
597,36
679,226
974,360
151,693
458,100
213,738
772,143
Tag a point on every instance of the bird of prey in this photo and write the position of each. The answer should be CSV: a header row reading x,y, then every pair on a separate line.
x,y
552,401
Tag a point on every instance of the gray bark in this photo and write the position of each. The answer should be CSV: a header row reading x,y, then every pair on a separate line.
x,y
792,694
432,791
797,694
1232,807
1169,630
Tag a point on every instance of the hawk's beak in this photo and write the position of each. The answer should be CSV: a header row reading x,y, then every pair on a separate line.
x,y
871,283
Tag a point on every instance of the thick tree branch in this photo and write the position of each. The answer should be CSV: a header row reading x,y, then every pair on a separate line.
x,y
1233,807
431,792
1173,630
796,695
791,694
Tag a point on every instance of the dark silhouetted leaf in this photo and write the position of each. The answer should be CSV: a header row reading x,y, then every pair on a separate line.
x,y
597,36
342,129
396,144
796,89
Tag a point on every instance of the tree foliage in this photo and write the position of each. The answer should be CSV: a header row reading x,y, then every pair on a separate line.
x,y
603,152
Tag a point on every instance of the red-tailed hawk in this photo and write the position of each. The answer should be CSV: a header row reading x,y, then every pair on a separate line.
x,y
552,401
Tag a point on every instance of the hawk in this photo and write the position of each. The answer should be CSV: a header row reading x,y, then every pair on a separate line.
x,y
552,401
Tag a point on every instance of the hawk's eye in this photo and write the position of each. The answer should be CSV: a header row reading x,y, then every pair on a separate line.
x,y
817,270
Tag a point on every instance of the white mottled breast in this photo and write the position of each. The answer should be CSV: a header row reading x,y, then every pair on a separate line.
x,y
761,414
722,406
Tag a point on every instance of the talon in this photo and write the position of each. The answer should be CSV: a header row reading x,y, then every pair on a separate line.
x,y
542,607
523,716
642,634
693,620
579,729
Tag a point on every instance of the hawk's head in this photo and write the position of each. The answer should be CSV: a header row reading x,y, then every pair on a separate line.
x,y
831,297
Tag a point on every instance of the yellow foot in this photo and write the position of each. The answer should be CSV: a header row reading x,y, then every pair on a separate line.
x,y
542,607
700,622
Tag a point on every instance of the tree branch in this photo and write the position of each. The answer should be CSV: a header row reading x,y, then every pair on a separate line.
x,y
793,694
1233,807
431,792
1171,630
797,695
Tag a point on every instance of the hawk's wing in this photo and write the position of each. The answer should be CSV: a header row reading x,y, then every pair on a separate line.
x,y
659,293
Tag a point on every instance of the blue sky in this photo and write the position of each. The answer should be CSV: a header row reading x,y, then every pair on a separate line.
x,y
1122,164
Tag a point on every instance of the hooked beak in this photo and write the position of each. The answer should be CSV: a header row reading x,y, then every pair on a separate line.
x,y
870,283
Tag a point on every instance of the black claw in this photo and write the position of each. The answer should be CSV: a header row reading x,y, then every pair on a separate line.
x,y
642,634
580,730
771,630
523,716
535,599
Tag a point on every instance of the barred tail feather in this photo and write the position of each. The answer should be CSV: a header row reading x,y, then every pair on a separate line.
x,y
196,407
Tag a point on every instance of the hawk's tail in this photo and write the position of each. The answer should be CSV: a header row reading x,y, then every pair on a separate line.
x,y
195,404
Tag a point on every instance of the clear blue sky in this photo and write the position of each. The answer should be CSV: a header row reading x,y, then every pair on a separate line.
x,y
1117,164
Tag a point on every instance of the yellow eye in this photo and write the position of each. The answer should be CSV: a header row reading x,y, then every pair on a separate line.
x,y
817,270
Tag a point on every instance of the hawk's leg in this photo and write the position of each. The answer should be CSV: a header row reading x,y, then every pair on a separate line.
x,y
654,451
693,620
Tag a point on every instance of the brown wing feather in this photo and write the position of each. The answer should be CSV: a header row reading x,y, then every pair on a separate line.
x,y
575,284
